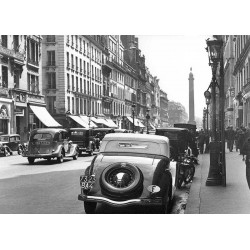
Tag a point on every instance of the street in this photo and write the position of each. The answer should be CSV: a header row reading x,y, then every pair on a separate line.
x,y
53,188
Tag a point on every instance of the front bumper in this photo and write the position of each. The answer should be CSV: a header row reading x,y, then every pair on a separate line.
x,y
40,155
141,201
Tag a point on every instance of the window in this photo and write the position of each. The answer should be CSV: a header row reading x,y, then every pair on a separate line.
x,y
32,51
33,83
72,62
68,99
16,43
51,39
77,89
80,65
16,73
81,106
76,42
73,105
76,63
72,82
84,86
68,65
77,106
85,106
51,58
51,80
4,39
4,77
51,104
68,82
81,85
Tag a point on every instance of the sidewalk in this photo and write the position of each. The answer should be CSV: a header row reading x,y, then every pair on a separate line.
x,y
232,199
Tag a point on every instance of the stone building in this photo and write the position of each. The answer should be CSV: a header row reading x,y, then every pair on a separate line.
x,y
73,78
21,101
164,106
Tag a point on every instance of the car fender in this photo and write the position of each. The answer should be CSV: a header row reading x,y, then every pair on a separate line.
x,y
73,150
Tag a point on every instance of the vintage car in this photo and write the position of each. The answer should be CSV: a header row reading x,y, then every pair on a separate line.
x,y
101,132
178,138
48,143
130,169
85,139
10,143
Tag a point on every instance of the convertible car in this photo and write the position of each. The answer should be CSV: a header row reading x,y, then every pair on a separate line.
x,y
130,169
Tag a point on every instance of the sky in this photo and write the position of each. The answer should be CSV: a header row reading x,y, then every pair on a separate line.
x,y
170,57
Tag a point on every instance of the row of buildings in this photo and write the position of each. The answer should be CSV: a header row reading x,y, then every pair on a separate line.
x,y
77,80
237,80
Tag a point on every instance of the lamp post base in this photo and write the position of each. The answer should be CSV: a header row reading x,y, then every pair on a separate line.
x,y
214,175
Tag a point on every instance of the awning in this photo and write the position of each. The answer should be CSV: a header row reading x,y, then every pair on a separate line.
x,y
137,122
86,120
44,116
94,119
152,126
102,121
111,123
79,120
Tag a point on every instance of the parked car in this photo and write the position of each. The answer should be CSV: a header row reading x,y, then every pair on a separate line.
x,y
178,138
10,143
49,143
130,169
120,130
85,139
101,132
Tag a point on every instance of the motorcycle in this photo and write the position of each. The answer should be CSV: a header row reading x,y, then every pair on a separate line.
x,y
186,166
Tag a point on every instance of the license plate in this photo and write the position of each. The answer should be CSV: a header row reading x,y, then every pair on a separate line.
x,y
87,181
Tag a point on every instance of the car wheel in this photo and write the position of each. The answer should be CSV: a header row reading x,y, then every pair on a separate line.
x,y
189,174
121,179
60,158
31,160
90,207
166,206
75,156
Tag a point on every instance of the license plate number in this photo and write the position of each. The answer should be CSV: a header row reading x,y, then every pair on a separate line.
x,y
87,181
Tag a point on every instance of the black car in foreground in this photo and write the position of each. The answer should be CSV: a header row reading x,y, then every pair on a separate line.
x,y
130,169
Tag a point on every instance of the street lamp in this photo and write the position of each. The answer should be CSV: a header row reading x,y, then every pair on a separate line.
x,y
133,115
147,117
207,95
216,175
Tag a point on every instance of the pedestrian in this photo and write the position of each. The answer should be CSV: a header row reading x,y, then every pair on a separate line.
x,y
201,141
246,151
236,138
230,135
207,142
241,139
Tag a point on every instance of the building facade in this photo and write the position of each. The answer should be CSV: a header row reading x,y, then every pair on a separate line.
x,y
20,84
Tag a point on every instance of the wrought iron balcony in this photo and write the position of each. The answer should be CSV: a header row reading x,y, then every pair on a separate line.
x,y
33,62
16,53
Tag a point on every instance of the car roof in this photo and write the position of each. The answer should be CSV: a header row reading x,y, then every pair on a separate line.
x,y
172,129
48,130
79,129
5,135
136,137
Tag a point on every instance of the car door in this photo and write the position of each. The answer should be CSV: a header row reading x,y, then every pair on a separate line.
x,y
65,140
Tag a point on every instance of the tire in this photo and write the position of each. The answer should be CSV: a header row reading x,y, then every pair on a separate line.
x,y
166,207
60,158
189,174
131,188
31,160
90,207
180,181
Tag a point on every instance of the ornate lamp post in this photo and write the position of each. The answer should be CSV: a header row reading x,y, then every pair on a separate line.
x,y
133,115
207,95
147,117
216,175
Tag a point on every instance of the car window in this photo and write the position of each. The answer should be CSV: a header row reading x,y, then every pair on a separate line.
x,y
145,147
12,139
4,138
42,136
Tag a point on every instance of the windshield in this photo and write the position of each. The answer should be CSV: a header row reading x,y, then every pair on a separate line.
x,y
42,136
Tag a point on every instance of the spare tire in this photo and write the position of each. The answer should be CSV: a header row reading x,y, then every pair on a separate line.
x,y
121,178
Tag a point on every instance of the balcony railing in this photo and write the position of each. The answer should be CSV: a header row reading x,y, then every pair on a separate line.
x,y
51,63
15,53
